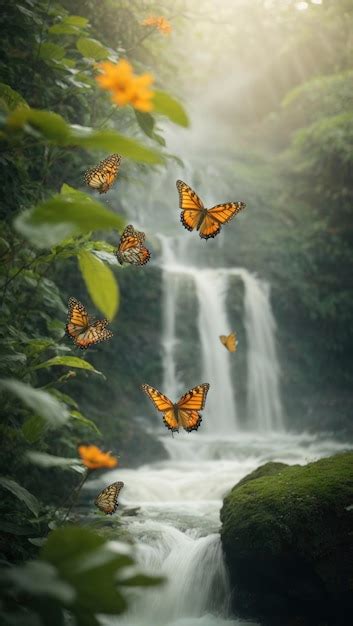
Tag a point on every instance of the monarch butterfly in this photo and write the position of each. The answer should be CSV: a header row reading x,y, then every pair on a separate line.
x,y
83,329
207,221
103,175
229,341
183,414
107,500
131,248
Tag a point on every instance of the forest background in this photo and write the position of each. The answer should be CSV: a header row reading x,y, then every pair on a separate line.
x,y
288,154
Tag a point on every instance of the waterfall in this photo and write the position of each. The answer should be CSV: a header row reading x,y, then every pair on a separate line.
x,y
263,394
211,289
264,409
194,570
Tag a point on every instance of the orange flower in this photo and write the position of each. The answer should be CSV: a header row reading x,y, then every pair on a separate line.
x,y
160,22
94,458
125,86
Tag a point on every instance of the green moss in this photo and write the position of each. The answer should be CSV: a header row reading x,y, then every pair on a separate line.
x,y
288,506
288,542
269,469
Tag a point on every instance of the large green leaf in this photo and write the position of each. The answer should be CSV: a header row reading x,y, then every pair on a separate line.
x,y
41,402
111,141
63,216
51,51
11,97
68,361
76,415
92,49
100,283
53,128
50,125
167,105
41,578
147,123
21,493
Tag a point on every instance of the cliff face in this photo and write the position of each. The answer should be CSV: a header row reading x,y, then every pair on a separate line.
x,y
287,535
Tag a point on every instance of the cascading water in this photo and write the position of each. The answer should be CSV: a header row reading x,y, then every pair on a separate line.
x,y
211,286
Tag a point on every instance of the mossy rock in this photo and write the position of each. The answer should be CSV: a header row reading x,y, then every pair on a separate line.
x,y
287,536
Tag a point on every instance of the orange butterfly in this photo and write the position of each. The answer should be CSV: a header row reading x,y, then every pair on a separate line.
x,y
229,341
183,414
107,500
104,175
82,328
207,221
131,248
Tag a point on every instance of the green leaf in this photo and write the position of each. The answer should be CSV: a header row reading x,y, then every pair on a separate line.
x,y
53,127
100,283
68,361
63,29
76,20
167,105
111,141
43,459
147,123
90,564
85,421
21,493
50,125
50,51
12,98
41,402
63,216
33,428
92,49
40,578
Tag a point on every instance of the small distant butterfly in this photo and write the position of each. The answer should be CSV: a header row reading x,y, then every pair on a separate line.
x,y
131,248
107,500
183,414
229,341
207,221
82,328
103,175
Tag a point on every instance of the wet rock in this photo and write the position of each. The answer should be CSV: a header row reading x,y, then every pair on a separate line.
x,y
287,536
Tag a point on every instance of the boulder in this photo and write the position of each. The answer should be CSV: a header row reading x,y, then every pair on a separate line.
x,y
287,536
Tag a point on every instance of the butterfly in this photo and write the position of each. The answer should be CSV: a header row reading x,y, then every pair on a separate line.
x,y
82,328
229,341
131,248
107,500
103,175
183,414
207,221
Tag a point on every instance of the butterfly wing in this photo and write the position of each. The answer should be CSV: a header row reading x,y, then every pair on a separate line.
x,y
107,500
95,333
191,206
218,215
81,329
77,318
230,341
189,406
104,174
164,405
130,249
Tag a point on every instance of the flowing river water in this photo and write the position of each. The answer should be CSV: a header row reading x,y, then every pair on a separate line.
x,y
176,529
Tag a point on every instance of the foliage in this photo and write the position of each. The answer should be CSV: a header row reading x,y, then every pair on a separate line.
x,y
54,123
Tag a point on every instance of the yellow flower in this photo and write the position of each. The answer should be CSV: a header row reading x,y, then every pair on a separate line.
x,y
94,458
160,22
125,86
